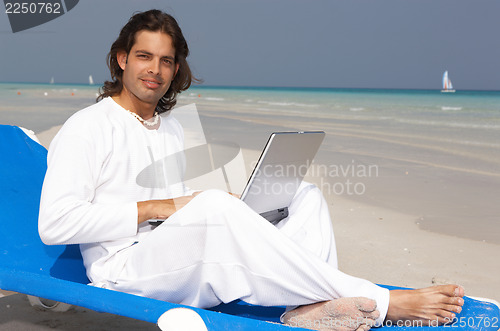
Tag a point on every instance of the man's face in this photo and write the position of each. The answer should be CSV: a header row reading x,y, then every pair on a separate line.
x,y
149,68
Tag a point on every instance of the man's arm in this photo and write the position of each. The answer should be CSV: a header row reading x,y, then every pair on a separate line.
x,y
68,214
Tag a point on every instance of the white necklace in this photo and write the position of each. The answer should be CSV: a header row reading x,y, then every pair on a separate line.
x,y
151,122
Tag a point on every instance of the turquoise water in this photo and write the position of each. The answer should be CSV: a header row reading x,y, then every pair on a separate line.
x,y
464,109
467,122
479,109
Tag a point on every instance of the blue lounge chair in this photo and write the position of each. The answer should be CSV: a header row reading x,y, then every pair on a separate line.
x,y
57,273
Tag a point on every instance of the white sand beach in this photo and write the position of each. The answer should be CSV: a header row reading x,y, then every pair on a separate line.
x,y
378,241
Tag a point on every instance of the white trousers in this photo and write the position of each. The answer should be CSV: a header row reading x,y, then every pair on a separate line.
x,y
216,250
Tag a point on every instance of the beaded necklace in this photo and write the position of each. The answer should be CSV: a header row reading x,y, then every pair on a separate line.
x,y
151,122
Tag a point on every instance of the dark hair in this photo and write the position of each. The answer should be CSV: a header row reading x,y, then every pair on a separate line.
x,y
152,20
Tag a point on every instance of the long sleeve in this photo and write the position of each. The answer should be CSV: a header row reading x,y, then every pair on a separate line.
x,y
100,164
69,213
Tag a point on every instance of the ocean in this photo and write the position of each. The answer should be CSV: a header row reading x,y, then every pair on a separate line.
x,y
464,123
437,154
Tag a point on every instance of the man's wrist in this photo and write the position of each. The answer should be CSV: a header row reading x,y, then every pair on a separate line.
x,y
144,211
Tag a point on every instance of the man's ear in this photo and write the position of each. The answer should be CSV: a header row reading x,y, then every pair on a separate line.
x,y
121,58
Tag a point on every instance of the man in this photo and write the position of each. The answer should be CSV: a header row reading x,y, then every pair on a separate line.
x,y
212,248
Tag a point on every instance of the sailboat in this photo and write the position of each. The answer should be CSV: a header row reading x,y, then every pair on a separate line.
x,y
91,80
447,85
52,80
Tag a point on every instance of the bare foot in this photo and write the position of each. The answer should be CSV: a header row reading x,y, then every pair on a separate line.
x,y
344,314
430,306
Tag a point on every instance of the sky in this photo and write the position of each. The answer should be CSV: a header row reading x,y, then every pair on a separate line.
x,y
405,44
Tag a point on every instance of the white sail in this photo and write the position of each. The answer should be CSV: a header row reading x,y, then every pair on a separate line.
x,y
447,85
91,80
52,80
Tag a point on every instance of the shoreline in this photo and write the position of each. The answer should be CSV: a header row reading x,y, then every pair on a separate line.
x,y
262,88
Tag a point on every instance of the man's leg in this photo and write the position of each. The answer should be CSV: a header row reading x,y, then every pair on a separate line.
x,y
429,305
309,224
217,250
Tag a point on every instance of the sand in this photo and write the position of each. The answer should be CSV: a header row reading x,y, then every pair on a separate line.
x,y
16,314
384,245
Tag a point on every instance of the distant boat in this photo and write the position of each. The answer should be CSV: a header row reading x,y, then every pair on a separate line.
x,y
447,85
52,80
91,80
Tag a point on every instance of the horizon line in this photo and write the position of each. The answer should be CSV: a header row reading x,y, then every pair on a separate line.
x,y
247,87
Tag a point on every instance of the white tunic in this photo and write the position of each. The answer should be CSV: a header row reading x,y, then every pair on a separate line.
x,y
215,249
95,176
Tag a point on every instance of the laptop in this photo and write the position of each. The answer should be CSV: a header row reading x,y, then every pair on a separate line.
x,y
279,172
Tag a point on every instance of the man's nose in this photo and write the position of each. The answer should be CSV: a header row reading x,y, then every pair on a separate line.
x,y
154,67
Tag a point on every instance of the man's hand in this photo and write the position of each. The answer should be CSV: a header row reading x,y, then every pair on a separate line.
x,y
161,209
